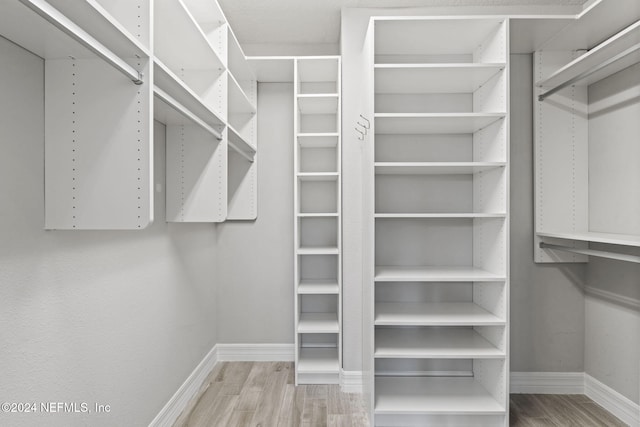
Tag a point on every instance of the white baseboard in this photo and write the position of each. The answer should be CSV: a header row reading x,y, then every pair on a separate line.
x,y
612,401
351,381
577,383
256,352
547,382
187,391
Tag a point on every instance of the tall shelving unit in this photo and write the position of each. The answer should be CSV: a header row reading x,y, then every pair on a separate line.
x,y
318,225
111,68
438,305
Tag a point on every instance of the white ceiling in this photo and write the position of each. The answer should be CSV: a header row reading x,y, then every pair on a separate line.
x,y
318,21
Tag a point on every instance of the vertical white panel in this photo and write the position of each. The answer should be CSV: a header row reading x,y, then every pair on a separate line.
x,y
561,159
493,48
196,175
98,147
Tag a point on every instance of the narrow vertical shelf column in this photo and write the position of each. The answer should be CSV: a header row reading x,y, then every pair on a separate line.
x,y
317,220
439,318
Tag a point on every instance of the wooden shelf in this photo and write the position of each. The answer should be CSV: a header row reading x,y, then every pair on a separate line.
x,y
433,314
433,78
318,323
318,176
433,343
167,81
239,102
434,168
318,287
318,103
318,361
175,29
400,395
328,250
596,237
434,274
605,51
433,123
437,215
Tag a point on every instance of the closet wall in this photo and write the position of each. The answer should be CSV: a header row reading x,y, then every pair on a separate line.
x,y
118,318
256,258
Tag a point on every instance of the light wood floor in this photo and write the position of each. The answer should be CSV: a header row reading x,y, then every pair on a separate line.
x,y
262,394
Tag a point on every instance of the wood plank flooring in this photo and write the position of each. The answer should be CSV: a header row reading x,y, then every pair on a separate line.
x,y
262,394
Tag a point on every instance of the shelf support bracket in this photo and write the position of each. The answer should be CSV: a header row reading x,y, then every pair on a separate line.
x,y
64,24
593,252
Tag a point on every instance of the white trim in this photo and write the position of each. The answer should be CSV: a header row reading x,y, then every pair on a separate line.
x,y
547,382
187,391
623,408
351,381
628,302
256,352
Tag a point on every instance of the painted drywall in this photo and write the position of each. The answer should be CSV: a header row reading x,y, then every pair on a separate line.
x,y
256,257
114,318
612,335
547,300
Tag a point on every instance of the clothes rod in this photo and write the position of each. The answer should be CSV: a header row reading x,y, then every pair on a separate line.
x,y
590,72
593,252
239,151
60,21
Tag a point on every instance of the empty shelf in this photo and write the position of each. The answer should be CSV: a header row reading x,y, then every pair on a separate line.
x,y
318,323
171,18
435,274
326,250
318,103
615,47
433,78
400,395
168,82
438,343
434,168
433,123
596,237
239,102
239,143
318,140
434,314
317,215
438,215
317,287
318,176
318,361
318,69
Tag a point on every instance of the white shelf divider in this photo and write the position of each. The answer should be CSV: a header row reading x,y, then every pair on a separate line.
x,y
433,123
435,168
318,323
318,287
434,314
434,274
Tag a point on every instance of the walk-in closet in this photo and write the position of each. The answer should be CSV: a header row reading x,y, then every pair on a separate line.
x,y
281,213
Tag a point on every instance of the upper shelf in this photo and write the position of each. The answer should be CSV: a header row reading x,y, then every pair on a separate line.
x,y
433,78
433,123
168,82
609,57
434,168
596,237
175,28
434,274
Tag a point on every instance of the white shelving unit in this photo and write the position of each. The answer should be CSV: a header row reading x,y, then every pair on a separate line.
x,y
439,303
211,156
318,225
584,168
189,73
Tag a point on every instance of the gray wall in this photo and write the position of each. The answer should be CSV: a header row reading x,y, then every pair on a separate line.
x,y
547,301
256,258
117,318
612,336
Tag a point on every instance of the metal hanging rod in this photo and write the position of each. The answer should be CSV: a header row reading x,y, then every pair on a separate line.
x,y
593,252
239,151
590,72
64,24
